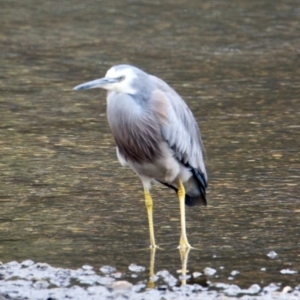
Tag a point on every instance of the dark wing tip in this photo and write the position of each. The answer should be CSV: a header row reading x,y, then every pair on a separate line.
x,y
192,201
202,184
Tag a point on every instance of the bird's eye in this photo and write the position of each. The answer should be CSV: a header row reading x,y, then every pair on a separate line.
x,y
121,78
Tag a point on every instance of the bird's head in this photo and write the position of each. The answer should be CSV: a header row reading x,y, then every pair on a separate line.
x,y
118,78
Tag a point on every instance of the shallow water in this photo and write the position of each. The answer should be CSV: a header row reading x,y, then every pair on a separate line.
x,y
65,199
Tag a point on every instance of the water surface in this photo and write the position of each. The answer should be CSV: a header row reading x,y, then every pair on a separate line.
x,y
64,197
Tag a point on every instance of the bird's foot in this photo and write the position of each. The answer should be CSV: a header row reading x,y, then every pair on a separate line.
x,y
154,247
184,244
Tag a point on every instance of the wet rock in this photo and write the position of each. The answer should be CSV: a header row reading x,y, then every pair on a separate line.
x,y
272,254
184,277
287,289
40,284
106,280
270,288
253,289
27,263
288,271
107,269
117,275
197,274
232,290
88,279
154,278
136,268
98,290
121,285
221,285
87,267
41,266
61,278
138,287
168,278
209,271
234,273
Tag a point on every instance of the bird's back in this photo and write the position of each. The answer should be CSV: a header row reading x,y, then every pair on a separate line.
x,y
182,134
181,130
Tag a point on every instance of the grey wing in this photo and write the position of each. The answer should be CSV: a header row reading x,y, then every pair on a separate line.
x,y
180,130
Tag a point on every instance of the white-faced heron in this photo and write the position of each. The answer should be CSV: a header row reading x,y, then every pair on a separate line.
x,y
156,136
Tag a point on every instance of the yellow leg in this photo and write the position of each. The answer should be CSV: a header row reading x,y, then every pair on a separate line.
x,y
149,206
151,283
183,239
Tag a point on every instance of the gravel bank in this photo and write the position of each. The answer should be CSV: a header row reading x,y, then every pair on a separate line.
x,y
40,281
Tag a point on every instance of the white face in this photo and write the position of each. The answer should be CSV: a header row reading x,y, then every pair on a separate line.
x,y
125,85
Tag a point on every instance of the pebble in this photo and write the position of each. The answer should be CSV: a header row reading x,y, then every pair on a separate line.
x,y
234,273
27,263
107,269
197,274
287,289
121,285
87,267
271,288
136,268
253,289
209,271
288,271
272,254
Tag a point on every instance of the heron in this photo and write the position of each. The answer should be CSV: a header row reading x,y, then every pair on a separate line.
x,y
156,135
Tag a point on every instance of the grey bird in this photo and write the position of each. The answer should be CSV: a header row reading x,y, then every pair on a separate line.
x,y
156,136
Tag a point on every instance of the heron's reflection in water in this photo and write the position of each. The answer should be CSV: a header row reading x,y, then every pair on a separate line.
x,y
184,254
151,280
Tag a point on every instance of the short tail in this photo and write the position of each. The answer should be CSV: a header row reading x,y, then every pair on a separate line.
x,y
192,201
202,185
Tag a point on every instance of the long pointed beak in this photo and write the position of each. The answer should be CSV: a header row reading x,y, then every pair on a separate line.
x,y
97,83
